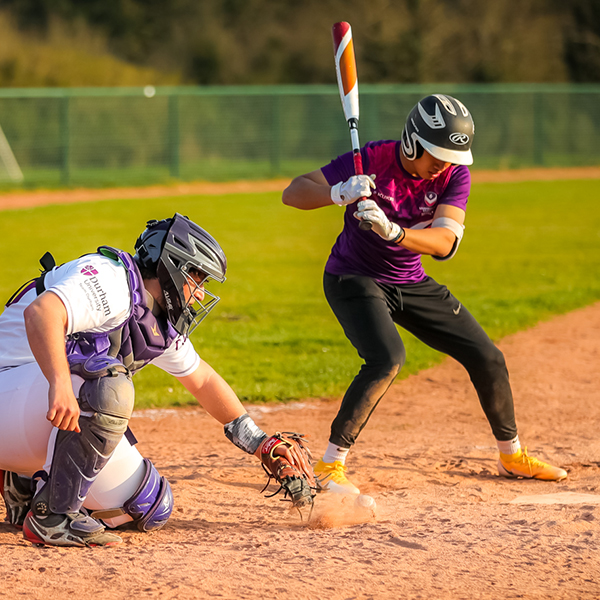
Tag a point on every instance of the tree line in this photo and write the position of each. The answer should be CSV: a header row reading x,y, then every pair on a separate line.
x,y
214,42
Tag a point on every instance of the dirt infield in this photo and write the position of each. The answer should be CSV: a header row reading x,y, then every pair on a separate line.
x,y
26,199
446,526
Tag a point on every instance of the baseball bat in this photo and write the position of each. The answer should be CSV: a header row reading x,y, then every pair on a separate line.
x,y
345,68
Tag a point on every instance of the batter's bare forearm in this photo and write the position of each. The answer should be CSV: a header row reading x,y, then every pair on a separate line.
x,y
437,241
308,192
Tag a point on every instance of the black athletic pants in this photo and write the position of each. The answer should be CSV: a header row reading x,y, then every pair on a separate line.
x,y
368,311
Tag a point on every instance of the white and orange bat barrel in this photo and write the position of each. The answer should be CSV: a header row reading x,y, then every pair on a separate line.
x,y
345,66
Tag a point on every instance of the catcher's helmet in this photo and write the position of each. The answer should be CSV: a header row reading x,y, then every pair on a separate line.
x,y
183,255
441,125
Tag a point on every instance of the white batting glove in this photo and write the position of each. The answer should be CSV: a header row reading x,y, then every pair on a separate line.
x,y
347,192
368,210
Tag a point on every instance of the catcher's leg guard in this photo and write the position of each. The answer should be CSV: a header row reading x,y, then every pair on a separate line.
x,y
152,504
149,507
106,405
17,494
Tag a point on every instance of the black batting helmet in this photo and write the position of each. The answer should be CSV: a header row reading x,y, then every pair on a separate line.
x,y
441,125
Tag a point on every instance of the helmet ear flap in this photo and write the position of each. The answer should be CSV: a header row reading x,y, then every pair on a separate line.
x,y
170,283
411,147
419,150
408,148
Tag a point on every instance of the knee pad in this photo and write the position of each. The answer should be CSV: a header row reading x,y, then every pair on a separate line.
x,y
149,507
106,404
110,395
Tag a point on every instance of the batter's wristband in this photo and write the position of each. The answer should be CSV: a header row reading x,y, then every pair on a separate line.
x,y
336,195
400,237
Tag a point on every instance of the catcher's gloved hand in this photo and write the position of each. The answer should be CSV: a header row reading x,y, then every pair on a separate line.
x,y
347,192
368,210
286,458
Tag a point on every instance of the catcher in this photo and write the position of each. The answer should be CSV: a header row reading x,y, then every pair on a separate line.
x,y
70,341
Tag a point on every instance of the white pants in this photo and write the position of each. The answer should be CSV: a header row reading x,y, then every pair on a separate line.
x,y
27,440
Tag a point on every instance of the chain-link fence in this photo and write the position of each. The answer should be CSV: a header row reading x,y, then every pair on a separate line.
x,y
132,136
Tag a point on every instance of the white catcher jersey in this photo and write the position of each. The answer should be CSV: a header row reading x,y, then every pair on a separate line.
x,y
96,295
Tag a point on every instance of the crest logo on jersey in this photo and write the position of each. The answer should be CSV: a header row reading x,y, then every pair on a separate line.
x,y
430,198
460,139
89,271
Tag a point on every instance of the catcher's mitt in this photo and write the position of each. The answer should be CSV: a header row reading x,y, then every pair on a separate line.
x,y
285,457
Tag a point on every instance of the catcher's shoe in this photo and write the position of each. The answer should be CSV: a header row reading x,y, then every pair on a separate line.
x,y
522,465
17,495
67,530
332,477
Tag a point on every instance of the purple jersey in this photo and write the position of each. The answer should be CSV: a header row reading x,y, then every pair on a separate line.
x,y
406,200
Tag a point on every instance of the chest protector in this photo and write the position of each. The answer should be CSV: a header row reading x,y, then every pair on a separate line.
x,y
140,339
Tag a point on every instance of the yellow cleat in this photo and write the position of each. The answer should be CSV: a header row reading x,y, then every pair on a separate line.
x,y
332,477
522,465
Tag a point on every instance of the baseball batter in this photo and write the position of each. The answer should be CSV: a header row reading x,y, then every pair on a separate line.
x,y
415,201
70,341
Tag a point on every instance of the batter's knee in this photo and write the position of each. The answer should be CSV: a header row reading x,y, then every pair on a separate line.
x,y
393,368
386,367
395,360
490,361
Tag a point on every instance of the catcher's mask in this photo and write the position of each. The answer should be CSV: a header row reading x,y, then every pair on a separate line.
x,y
185,258
441,125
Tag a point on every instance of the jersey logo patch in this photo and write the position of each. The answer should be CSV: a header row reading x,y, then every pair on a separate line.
x,y
89,271
154,329
430,198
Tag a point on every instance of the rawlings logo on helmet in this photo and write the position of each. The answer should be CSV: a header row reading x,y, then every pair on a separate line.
x,y
460,139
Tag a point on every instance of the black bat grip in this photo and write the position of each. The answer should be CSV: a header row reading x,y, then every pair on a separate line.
x,y
365,225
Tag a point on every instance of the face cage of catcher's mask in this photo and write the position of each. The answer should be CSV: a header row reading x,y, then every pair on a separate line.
x,y
194,316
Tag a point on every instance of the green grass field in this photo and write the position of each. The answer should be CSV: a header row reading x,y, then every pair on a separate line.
x,y
213,170
531,250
